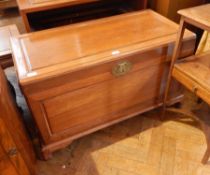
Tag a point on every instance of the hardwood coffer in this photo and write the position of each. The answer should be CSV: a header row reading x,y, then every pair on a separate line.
x,y
81,78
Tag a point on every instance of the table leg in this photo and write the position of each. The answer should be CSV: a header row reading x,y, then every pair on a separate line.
x,y
176,53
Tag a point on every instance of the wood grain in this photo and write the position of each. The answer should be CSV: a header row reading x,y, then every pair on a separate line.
x,y
138,36
6,166
198,16
196,69
72,90
14,140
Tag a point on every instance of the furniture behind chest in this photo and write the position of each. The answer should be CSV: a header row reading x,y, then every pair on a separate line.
x,y
16,152
83,77
7,4
42,14
169,8
5,51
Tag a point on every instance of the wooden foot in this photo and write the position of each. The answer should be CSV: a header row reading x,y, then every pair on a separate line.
x,y
46,154
47,150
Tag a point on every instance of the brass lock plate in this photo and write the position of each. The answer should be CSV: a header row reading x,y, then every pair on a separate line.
x,y
122,68
12,152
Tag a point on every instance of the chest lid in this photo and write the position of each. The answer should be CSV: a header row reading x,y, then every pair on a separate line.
x,y
55,51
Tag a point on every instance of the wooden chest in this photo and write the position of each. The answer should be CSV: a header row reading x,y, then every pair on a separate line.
x,y
80,78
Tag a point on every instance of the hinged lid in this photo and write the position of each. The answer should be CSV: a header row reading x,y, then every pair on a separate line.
x,y
52,52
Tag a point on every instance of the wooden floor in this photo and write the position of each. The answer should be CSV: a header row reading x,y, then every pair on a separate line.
x,y
140,146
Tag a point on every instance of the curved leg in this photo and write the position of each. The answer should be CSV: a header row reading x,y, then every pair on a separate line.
x,y
46,154
206,130
203,113
206,155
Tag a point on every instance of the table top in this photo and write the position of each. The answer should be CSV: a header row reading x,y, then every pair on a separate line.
x,y
51,52
5,34
39,5
199,14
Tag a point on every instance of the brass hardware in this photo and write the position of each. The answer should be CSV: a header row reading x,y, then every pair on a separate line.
x,y
122,68
12,152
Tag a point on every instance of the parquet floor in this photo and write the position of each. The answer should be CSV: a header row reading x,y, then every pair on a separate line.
x,y
139,146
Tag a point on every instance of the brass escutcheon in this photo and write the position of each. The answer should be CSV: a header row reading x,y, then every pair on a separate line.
x,y
12,152
122,68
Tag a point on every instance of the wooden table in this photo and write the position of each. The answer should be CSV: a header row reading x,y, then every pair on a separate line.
x,y
94,74
31,6
193,72
5,50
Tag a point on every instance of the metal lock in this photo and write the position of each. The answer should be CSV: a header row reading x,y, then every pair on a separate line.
x,y
12,152
122,68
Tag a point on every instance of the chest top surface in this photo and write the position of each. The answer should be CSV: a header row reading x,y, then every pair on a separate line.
x,y
90,43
